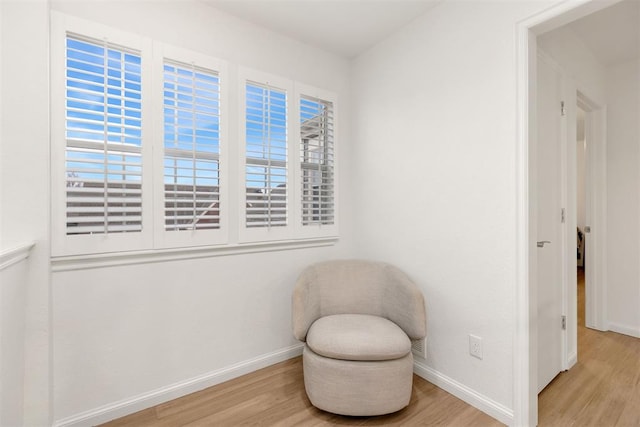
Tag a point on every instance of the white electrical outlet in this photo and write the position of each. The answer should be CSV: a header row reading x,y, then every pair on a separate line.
x,y
475,346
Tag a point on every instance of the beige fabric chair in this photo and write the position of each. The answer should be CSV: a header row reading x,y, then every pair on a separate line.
x,y
357,318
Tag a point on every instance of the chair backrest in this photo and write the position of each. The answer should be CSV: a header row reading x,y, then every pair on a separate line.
x,y
357,287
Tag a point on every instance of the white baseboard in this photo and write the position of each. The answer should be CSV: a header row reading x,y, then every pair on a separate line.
x,y
623,329
164,394
461,391
137,403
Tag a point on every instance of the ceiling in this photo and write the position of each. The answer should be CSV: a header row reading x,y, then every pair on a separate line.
x,y
343,27
612,34
349,27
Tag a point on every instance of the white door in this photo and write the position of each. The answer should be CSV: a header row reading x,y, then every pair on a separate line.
x,y
548,183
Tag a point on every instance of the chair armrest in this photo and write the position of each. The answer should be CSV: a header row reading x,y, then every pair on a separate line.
x,y
404,303
305,304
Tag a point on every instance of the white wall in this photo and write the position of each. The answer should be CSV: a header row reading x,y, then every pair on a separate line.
x,y
24,189
578,62
121,332
13,286
434,120
623,188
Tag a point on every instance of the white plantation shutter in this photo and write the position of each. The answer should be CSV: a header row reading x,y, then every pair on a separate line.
x,y
266,156
317,161
191,147
141,160
103,137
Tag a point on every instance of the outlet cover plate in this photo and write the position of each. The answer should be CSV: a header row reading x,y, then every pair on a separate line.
x,y
475,346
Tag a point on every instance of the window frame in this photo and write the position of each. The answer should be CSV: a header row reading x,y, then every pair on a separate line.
x,y
62,244
154,241
188,238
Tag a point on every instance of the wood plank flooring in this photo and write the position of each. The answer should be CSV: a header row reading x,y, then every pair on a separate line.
x,y
275,396
602,390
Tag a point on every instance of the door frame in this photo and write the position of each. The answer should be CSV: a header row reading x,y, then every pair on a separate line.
x,y
525,402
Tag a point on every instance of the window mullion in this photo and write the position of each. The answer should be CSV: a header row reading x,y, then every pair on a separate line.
x,y
106,138
194,172
267,112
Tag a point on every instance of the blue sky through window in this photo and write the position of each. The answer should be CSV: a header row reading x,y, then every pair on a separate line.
x,y
191,125
103,105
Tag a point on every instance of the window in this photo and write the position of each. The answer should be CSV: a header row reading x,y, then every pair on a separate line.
x,y
266,156
267,177
142,152
103,138
316,161
191,147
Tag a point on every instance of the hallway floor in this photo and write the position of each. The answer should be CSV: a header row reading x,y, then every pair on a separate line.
x,y
603,388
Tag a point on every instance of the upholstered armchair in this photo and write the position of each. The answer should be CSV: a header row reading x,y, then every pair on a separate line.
x,y
357,319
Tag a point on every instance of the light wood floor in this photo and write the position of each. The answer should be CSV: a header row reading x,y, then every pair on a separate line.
x,y
603,388
275,396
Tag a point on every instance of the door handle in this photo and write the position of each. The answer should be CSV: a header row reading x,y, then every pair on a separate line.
x,y
541,243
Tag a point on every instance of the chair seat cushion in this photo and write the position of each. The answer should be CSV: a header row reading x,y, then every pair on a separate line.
x,y
357,337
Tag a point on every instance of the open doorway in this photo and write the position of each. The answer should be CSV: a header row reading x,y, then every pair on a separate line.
x,y
595,296
570,177
610,178
568,197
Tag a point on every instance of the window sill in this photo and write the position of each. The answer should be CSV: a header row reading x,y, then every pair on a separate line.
x,y
113,259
